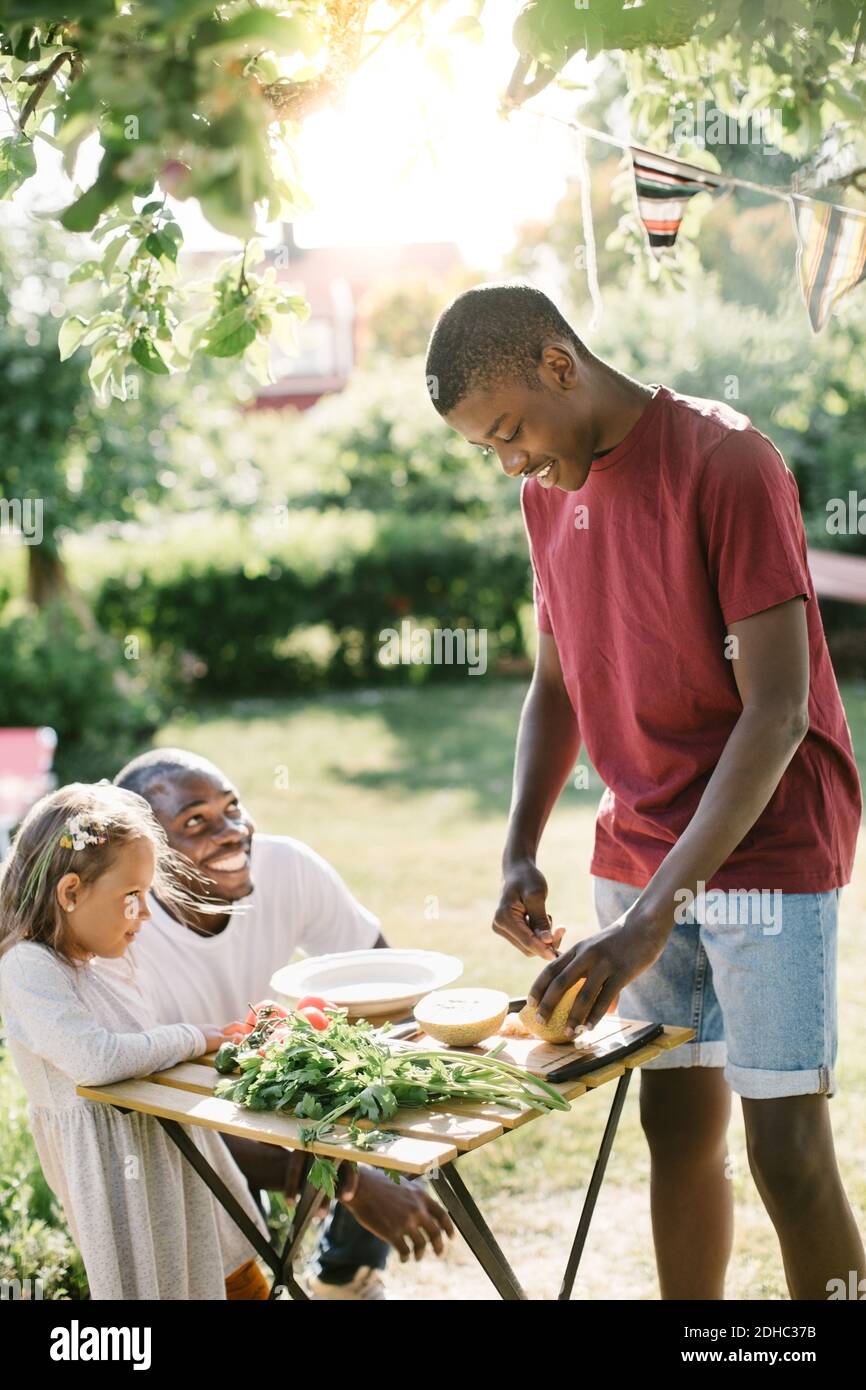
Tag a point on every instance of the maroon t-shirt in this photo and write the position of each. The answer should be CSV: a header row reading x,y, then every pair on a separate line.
x,y
691,523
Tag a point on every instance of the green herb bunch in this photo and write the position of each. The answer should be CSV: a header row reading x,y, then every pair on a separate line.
x,y
349,1072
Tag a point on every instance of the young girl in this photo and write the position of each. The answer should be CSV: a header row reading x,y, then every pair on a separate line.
x,y
73,889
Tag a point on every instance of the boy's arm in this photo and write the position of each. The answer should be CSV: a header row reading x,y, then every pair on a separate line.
x,y
772,675
548,742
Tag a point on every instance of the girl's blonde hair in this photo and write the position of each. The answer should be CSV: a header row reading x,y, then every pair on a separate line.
x,y
79,829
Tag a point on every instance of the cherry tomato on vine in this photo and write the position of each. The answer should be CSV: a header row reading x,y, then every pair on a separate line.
x,y
315,1018
313,1001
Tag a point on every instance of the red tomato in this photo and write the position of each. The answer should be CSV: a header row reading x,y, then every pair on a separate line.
x,y
313,1001
270,1009
315,1018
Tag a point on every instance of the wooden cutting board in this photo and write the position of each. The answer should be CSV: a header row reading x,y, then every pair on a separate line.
x,y
545,1059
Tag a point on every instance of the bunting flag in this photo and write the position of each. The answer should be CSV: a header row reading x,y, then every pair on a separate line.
x,y
663,187
831,255
831,239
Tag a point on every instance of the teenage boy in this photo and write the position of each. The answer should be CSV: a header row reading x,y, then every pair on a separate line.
x,y
680,643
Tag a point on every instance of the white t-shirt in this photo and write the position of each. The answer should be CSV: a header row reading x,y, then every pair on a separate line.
x,y
299,902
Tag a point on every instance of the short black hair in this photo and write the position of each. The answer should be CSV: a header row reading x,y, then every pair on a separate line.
x,y
489,335
160,765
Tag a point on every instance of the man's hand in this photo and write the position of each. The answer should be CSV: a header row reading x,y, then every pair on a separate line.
x,y
522,916
607,962
403,1215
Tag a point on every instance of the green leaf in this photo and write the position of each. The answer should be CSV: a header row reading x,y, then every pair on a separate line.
x,y
257,359
146,356
159,245
230,334
112,251
84,213
85,271
234,344
26,47
259,28
222,203
100,324
168,244
17,164
72,331
111,224
101,370
188,335
323,1174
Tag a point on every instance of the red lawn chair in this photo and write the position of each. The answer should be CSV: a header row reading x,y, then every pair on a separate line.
x,y
26,756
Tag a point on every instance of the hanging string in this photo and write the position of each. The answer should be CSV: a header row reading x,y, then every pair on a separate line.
x,y
728,180
588,233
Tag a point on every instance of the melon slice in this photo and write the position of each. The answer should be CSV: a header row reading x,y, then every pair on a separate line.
x,y
462,1017
553,1031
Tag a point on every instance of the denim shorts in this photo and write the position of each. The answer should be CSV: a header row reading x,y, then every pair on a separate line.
x,y
754,975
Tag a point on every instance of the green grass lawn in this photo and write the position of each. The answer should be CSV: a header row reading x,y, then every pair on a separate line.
x,y
406,793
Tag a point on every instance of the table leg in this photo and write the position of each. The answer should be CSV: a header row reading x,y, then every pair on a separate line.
x,y
306,1204
461,1207
229,1202
594,1186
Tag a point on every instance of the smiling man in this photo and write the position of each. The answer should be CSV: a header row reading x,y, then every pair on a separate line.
x,y
680,642
211,967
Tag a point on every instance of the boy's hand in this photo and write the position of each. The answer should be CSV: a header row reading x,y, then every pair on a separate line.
x,y
607,961
522,916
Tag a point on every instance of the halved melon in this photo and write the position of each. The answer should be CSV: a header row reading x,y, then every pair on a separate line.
x,y
462,1017
553,1031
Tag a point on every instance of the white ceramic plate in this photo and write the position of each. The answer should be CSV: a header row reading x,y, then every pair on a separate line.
x,y
370,984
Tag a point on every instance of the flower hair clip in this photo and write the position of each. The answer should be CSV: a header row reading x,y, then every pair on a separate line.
x,y
77,833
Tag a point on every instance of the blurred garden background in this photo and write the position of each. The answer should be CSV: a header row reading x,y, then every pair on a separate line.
x,y
221,555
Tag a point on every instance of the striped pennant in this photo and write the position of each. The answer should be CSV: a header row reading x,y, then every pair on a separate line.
x,y
663,186
831,255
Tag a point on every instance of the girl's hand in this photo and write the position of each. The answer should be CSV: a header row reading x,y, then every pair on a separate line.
x,y
214,1036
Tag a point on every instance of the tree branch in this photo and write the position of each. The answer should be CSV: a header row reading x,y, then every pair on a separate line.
x,y
41,80
519,90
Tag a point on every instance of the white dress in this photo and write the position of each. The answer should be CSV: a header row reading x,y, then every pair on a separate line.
x,y
146,1224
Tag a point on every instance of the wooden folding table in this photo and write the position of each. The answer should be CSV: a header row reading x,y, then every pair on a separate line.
x,y
427,1142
